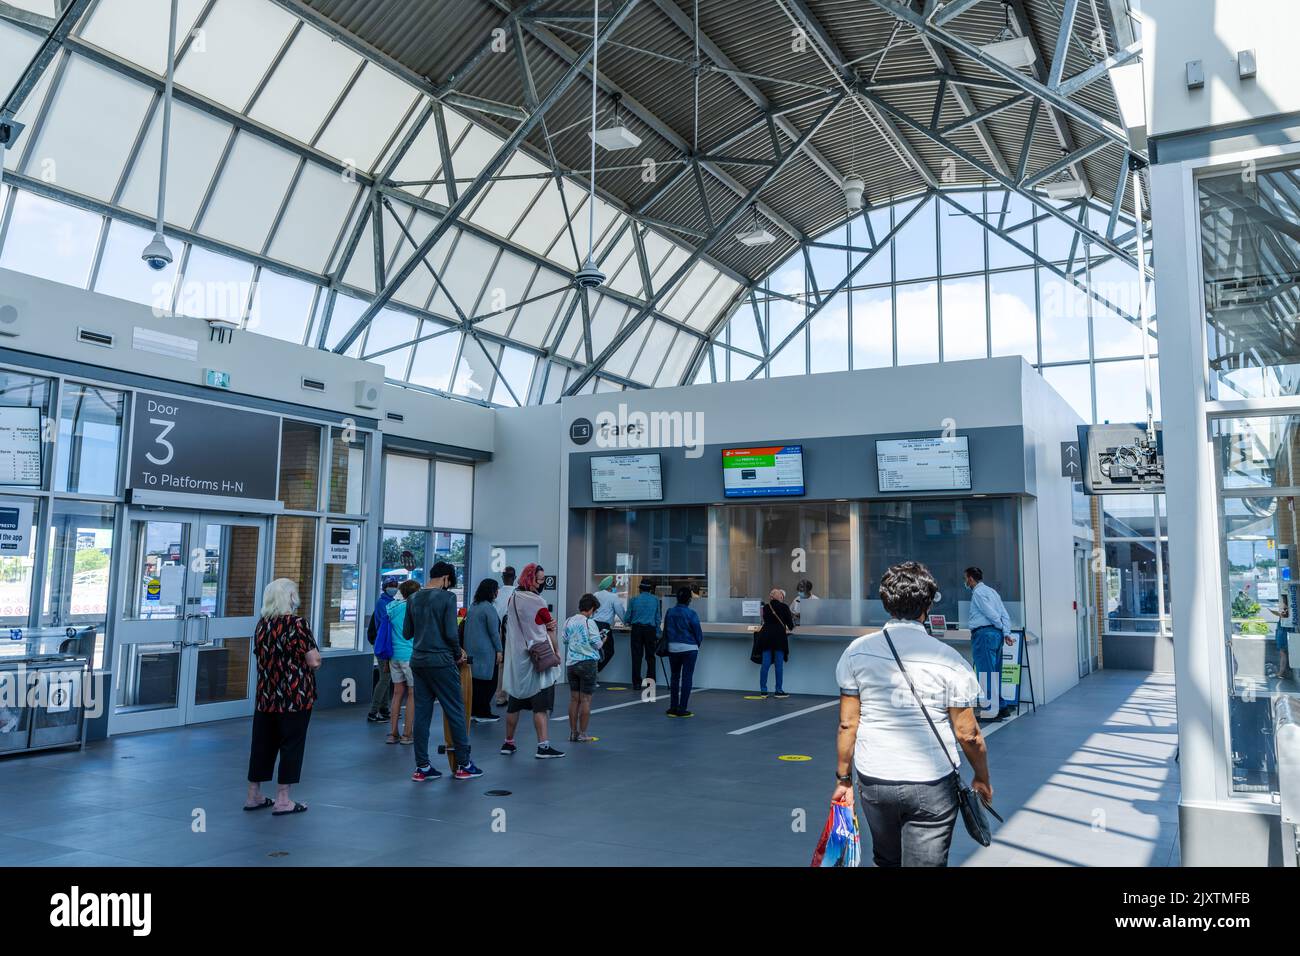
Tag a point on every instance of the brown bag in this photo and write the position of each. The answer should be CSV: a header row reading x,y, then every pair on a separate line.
x,y
541,653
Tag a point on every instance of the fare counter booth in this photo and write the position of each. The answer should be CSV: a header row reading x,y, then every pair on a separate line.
x,y
733,518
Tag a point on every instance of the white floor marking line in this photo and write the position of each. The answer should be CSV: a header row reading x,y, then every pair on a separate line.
x,y
777,720
631,703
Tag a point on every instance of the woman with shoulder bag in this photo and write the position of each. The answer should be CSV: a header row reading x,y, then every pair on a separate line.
x,y
532,662
906,705
772,642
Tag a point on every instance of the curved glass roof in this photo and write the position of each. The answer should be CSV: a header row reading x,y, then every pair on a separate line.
x,y
303,174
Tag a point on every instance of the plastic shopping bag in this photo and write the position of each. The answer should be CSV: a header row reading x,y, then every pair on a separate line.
x,y
839,844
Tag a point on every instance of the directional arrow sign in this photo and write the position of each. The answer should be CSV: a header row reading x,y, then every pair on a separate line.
x,y
1071,467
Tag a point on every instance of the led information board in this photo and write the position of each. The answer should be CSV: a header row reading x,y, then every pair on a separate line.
x,y
769,471
626,478
923,464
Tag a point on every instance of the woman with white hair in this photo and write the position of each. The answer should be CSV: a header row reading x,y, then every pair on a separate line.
x,y
287,659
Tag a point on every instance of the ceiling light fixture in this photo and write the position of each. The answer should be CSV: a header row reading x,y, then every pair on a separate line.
x,y
1065,189
616,136
755,235
1010,48
853,187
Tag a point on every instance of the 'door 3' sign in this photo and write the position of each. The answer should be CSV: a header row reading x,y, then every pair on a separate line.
x,y
205,449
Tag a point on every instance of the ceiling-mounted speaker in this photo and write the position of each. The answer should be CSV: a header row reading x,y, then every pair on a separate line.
x,y
368,394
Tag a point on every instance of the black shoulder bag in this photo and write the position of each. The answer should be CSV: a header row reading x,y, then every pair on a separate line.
x,y
970,803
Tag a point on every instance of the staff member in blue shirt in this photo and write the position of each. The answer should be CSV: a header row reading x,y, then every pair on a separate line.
x,y
643,614
990,626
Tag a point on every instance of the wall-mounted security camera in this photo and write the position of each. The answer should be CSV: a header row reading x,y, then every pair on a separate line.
x,y
156,255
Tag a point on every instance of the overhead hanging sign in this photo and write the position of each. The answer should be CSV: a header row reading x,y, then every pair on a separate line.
x,y
203,448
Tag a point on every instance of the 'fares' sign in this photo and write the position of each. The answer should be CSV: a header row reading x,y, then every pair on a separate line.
x,y
200,448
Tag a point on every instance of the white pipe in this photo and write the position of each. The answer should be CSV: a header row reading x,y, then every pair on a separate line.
x,y
167,117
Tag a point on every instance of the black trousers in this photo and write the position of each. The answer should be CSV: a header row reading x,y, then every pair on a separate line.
x,y
283,735
643,640
484,690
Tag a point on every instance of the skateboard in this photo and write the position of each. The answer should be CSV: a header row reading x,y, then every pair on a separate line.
x,y
467,698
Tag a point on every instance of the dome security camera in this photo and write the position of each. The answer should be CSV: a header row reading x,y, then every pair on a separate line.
x,y
156,255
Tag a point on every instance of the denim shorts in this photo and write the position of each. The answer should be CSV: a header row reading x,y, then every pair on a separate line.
x,y
582,677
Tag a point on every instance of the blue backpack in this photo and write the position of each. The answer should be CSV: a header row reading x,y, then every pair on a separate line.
x,y
383,628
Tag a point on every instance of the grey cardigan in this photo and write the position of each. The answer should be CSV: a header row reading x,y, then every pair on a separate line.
x,y
482,639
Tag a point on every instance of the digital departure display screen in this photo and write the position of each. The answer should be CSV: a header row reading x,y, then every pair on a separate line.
x,y
923,464
626,478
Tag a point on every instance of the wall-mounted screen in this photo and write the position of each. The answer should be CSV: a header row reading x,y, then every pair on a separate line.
x,y
923,464
769,471
20,446
626,478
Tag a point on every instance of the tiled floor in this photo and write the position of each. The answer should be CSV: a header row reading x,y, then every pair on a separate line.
x,y
1088,780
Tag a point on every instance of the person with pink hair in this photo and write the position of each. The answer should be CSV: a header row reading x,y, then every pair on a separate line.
x,y
529,621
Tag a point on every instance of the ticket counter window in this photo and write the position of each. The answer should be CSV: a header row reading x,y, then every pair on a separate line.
x,y
947,536
667,545
777,546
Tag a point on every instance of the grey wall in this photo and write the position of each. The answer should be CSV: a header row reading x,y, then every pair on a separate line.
x,y
833,467
1138,652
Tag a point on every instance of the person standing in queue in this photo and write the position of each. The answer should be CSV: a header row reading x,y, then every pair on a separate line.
x,y
990,627
643,614
904,766
610,608
772,642
529,621
483,645
435,666
378,633
503,596
287,661
682,628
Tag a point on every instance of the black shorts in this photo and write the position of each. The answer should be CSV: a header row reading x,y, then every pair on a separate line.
x,y
582,677
543,702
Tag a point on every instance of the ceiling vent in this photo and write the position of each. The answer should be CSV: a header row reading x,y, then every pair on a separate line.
x,y
313,384
91,337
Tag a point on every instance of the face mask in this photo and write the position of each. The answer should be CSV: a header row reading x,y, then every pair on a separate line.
x,y
968,587
391,592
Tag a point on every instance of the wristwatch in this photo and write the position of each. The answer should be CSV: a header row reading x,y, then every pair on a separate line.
x,y
846,779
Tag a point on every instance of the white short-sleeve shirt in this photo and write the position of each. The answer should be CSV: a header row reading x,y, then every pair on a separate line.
x,y
894,741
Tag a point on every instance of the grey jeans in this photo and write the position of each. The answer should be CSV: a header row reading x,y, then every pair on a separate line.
x,y
911,823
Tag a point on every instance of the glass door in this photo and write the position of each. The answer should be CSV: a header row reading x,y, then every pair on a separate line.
x,y
1082,612
184,645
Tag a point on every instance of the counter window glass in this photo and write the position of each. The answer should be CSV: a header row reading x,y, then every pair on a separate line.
x,y
300,466
947,536
24,451
347,481
1257,460
1248,251
669,545
90,439
776,546
78,561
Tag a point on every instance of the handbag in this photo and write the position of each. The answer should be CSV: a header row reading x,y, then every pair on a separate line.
x,y
970,803
541,653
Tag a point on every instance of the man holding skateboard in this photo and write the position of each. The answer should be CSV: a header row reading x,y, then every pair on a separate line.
x,y
435,664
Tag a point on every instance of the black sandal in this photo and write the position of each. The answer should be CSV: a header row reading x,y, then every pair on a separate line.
x,y
266,802
297,808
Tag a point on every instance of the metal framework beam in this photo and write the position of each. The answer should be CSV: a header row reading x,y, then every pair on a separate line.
x,y
466,198
43,57
722,228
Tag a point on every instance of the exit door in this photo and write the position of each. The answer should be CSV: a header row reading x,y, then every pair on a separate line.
x,y
190,600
